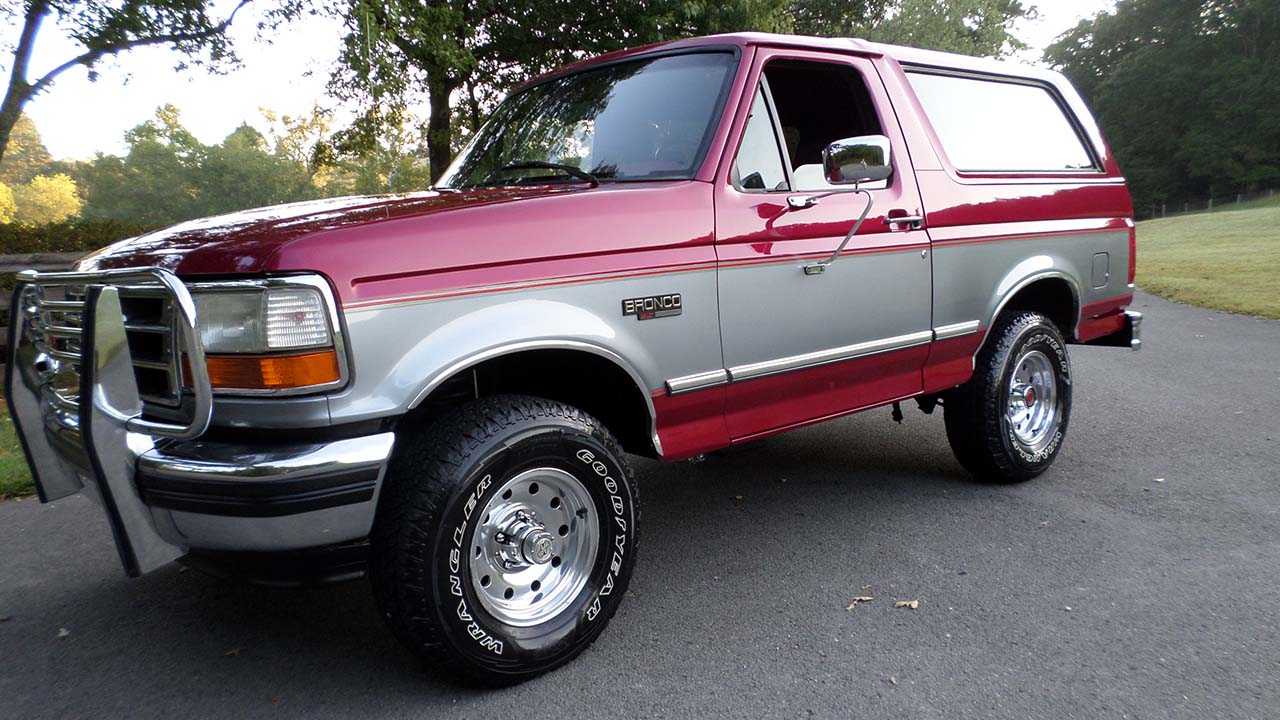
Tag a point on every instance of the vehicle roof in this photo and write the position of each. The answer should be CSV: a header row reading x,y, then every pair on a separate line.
x,y
855,46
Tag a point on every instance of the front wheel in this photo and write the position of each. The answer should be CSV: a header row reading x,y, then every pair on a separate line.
x,y
1008,422
505,538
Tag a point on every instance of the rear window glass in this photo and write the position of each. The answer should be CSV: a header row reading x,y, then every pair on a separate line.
x,y
991,126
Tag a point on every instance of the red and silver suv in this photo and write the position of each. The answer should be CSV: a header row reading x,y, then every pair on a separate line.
x,y
661,252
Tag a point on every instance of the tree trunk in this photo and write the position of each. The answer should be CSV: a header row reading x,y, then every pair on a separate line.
x,y
439,124
19,90
10,111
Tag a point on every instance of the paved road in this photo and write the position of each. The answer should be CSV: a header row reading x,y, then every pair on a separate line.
x,y
1093,592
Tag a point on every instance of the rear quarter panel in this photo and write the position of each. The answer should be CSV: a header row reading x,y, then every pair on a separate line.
x,y
994,233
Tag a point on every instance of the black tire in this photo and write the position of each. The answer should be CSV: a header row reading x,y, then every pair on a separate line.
x,y
425,529
979,429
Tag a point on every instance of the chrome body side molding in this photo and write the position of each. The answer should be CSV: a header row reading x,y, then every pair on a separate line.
x,y
701,381
713,378
823,357
957,330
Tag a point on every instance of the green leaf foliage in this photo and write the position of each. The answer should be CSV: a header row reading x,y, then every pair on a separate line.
x,y
168,176
46,199
26,156
1186,91
65,237
8,207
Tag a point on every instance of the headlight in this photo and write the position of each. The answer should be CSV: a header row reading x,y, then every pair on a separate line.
x,y
267,336
262,321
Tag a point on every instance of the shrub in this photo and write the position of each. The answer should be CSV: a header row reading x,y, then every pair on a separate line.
x,y
62,237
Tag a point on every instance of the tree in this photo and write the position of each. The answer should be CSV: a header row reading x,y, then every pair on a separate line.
x,y
105,29
46,199
972,27
27,155
8,207
169,176
1186,91
304,139
154,183
241,173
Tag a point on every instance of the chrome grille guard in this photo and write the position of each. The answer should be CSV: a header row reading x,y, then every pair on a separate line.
x,y
33,323
79,414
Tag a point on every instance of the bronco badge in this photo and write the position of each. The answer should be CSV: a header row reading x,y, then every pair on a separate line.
x,y
658,306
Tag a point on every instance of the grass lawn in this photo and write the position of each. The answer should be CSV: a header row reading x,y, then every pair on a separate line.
x,y
15,481
1227,260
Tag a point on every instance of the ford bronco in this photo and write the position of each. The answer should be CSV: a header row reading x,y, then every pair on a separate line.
x,y
661,252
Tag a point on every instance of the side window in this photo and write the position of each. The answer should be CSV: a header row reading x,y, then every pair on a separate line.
x,y
993,125
759,163
818,103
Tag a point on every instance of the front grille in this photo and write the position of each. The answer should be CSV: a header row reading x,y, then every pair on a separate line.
x,y
149,327
55,328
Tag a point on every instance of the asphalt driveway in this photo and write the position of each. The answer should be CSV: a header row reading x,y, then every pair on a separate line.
x,y
1139,578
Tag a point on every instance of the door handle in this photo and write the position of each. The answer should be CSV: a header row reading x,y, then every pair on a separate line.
x,y
914,221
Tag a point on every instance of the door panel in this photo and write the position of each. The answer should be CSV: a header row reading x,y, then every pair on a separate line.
x,y
801,347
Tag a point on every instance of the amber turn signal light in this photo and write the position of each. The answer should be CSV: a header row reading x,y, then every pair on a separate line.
x,y
272,372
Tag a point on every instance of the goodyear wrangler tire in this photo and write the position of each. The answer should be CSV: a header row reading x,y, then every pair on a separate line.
x,y
504,539
1008,422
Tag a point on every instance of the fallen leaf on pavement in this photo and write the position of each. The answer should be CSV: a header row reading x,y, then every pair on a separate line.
x,y
913,604
63,632
858,601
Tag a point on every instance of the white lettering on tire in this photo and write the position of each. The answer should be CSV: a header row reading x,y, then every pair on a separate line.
x,y
620,541
473,629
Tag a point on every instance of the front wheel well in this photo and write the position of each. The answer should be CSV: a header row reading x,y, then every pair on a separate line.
x,y
585,380
1051,297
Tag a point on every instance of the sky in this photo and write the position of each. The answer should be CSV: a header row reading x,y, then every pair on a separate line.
x,y
78,118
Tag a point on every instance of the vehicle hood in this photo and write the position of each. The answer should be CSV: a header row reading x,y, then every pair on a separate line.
x,y
245,242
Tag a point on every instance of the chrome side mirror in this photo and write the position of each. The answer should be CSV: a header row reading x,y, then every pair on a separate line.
x,y
857,160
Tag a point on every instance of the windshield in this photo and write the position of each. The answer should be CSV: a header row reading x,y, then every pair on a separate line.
x,y
638,120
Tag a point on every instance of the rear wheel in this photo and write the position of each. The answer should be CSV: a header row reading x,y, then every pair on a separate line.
x,y
1008,422
505,538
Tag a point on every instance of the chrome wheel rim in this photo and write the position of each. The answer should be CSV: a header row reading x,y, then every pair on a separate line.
x,y
1033,403
535,546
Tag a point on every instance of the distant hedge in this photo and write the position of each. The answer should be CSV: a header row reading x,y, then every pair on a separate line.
x,y
70,236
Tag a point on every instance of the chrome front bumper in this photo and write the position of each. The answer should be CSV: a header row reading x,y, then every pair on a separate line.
x,y
165,492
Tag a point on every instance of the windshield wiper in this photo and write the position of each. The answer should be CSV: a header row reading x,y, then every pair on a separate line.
x,y
576,172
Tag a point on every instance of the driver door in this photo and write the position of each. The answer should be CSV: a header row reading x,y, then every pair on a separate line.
x,y
803,347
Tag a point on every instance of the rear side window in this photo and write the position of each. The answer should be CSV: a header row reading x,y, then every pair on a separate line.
x,y
987,125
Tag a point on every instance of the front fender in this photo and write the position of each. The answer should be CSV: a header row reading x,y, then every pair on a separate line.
x,y
519,325
401,352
